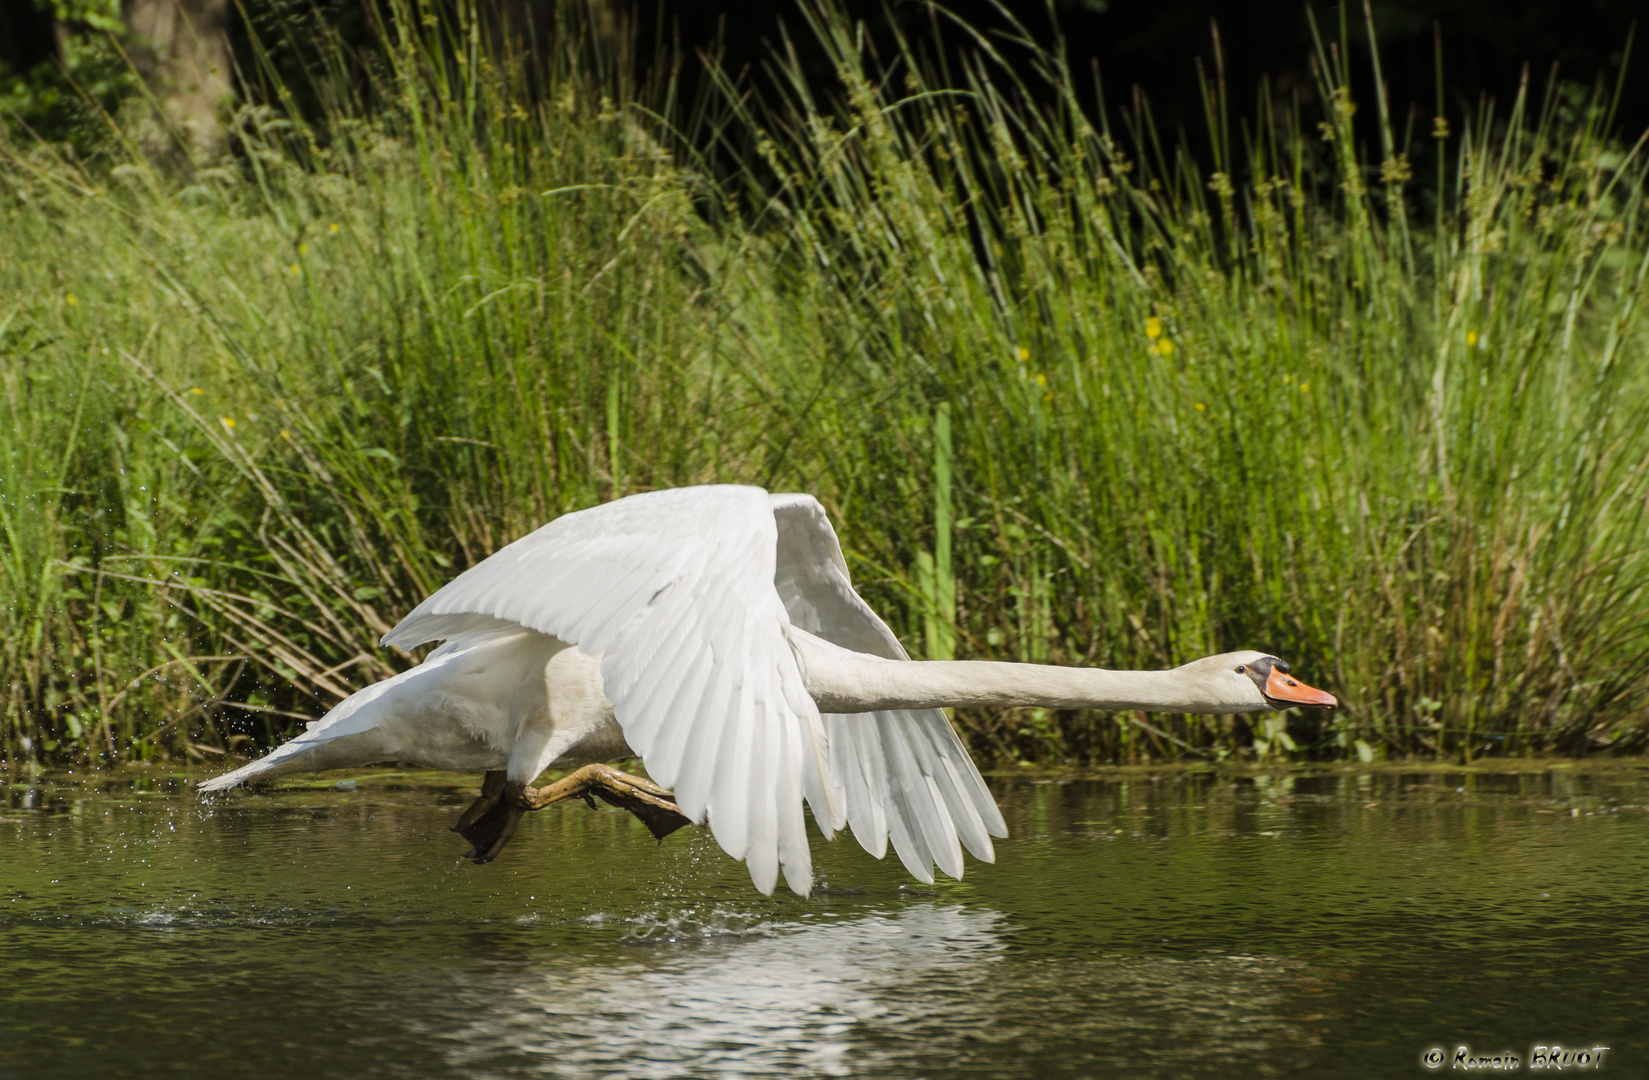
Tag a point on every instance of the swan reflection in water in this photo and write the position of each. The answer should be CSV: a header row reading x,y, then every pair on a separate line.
x,y
924,988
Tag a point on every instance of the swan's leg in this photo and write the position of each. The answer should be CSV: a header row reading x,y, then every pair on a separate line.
x,y
490,820
553,714
492,789
652,804
541,733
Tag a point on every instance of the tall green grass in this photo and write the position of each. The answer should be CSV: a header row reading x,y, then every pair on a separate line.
x,y
1069,395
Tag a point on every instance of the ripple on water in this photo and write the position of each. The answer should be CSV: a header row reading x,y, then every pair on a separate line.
x,y
1223,927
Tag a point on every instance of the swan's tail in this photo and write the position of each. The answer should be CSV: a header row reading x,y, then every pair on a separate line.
x,y
305,755
414,716
347,737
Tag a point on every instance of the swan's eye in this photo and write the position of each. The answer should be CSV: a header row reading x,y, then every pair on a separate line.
x,y
1241,669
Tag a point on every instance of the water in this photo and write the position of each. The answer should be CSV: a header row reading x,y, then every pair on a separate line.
x,y
1171,926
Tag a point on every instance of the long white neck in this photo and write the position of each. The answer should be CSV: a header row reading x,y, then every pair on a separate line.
x,y
841,681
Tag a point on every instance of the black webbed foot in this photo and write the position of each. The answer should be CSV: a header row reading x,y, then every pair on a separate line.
x,y
490,820
661,821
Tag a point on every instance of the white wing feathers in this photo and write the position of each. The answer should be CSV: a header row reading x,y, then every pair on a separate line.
x,y
674,591
902,774
685,595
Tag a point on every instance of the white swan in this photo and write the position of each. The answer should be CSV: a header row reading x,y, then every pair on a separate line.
x,y
714,632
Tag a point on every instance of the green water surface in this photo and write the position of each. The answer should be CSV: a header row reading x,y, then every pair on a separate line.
x,y
1177,925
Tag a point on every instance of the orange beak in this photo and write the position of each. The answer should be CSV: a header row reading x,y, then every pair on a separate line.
x,y
1285,690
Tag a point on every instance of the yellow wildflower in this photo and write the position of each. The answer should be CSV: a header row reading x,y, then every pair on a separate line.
x,y
1153,328
1024,353
1165,348
303,249
1041,379
228,422
1471,338
1200,407
1304,386
69,299
293,269
332,227
196,390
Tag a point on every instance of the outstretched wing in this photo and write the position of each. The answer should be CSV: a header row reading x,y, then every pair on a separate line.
x,y
674,591
901,774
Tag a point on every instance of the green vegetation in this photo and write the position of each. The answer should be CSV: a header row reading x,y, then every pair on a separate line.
x,y
64,104
1068,397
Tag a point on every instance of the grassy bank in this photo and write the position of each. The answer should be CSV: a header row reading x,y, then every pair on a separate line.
x,y
1069,396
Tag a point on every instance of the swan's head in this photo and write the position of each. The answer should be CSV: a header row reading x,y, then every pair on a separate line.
x,y
1259,681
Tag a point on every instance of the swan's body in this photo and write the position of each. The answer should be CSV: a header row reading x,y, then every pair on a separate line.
x,y
708,630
